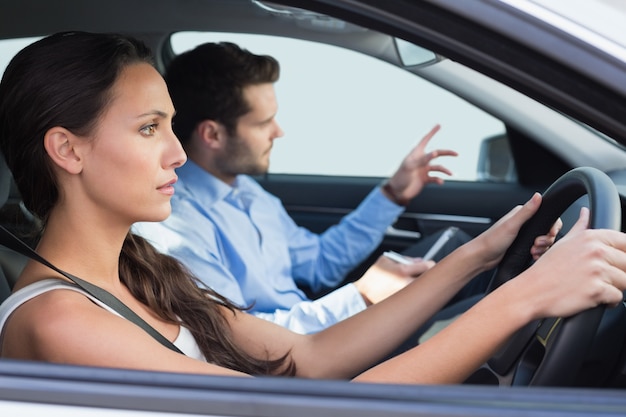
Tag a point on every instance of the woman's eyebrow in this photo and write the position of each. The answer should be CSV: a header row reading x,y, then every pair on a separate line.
x,y
159,113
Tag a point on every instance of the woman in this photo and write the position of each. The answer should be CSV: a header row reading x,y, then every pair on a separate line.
x,y
85,126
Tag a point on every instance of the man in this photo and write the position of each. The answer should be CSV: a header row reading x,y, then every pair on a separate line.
x,y
236,237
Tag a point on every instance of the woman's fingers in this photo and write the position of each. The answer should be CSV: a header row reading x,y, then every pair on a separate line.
x,y
584,269
544,242
515,218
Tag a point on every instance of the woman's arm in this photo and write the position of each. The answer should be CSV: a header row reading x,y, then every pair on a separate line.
x,y
584,269
349,347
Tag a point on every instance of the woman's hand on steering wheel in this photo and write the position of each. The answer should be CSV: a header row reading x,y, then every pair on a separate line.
x,y
544,242
494,242
588,266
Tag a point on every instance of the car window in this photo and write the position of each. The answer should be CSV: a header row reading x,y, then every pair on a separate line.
x,y
345,113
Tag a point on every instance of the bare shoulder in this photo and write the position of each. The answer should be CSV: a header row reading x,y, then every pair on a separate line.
x,y
44,327
65,326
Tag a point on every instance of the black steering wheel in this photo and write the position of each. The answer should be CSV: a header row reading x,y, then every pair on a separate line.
x,y
550,352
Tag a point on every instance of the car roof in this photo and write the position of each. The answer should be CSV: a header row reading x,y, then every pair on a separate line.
x,y
599,23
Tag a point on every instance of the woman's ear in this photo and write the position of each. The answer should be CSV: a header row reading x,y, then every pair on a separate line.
x,y
60,145
211,133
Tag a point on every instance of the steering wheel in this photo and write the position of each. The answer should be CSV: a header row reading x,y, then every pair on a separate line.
x,y
550,352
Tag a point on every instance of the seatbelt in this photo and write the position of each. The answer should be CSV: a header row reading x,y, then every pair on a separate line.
x,y
12,242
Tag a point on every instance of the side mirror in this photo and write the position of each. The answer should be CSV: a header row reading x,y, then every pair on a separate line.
x,y
495,160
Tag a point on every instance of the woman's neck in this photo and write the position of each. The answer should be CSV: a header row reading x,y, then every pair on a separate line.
x,y
91,253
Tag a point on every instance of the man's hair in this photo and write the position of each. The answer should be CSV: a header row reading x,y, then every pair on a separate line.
x,y
207,83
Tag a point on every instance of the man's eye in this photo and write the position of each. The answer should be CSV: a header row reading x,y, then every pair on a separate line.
x,y
149,130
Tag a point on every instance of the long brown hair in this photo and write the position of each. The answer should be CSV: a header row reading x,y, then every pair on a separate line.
x,y
65,80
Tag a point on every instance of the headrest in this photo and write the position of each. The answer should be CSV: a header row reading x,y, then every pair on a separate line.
x,y
5,181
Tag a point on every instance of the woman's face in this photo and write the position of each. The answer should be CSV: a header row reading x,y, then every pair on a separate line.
x,y
130,161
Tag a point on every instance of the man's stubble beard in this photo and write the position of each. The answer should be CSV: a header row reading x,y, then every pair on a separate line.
x,y
239,161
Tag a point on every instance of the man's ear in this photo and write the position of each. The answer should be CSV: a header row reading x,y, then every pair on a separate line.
x,y
60,144
211,133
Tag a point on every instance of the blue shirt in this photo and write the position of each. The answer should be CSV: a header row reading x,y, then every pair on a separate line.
x,y
241,242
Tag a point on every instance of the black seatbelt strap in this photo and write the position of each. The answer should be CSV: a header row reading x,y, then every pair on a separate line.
x,y
12,242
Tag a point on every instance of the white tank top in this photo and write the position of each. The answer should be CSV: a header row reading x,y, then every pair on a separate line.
x,y
184,341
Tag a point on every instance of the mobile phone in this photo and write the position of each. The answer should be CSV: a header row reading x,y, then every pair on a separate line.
x,y
443,239
396,257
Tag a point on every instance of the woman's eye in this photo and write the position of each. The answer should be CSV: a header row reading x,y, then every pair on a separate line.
x,y
149,130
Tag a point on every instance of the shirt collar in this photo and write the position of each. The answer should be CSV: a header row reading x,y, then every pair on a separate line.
x,y
208,189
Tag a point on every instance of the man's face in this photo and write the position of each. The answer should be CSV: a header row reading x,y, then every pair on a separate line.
x,y
248,150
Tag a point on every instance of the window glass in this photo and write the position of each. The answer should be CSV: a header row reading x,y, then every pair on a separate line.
x,y
344,113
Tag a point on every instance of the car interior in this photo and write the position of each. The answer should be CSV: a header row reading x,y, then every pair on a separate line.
x,y
538,146
11,262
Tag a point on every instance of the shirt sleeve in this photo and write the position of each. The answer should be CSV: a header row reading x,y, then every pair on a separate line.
x,y
322,261
312,316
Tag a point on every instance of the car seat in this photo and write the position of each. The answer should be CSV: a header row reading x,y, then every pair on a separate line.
x,y
11,263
